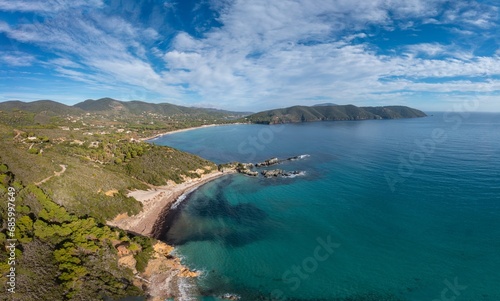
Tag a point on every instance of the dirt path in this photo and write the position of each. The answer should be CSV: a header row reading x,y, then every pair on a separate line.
x,y
18,132
56,174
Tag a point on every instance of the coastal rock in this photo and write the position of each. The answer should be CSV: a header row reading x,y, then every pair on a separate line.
x,y
163,273
123,251
274,161
187,273
243,168
280,173
268,162
272,173
230,297
248,172
129,262
163,249
297,157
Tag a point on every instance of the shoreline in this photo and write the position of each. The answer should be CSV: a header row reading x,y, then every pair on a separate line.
x,y
165,276
156,202
185,130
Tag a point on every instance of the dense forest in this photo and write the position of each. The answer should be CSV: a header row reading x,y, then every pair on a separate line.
x,y
331,113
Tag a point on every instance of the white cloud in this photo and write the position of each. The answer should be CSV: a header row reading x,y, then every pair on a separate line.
x,y
287,51
265,54
64,62
47,5
428,49
16,58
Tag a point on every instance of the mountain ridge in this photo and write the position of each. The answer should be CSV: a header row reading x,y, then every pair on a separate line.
x,y
331,113
108,104
299,113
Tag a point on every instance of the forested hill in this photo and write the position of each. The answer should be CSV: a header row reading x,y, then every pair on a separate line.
x,y
106,114
139,107
109,105
333,112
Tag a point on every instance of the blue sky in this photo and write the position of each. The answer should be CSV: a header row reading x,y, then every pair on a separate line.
x,y
253,54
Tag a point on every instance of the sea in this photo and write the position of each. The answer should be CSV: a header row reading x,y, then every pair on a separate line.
x,y
399,210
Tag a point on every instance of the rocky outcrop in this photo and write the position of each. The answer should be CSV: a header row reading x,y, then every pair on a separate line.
x,y
268,162
280,173
274,161
246,168
163,272
243,168
272,173
248,172
230,297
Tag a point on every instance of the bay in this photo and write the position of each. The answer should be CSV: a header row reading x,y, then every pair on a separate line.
x,y
387,210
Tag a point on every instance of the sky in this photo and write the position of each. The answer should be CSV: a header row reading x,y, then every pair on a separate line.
x,y
251,55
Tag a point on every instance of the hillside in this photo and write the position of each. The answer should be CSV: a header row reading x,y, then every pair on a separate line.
x,y
332,112
39,106
109,105
139,107
71,174
105,115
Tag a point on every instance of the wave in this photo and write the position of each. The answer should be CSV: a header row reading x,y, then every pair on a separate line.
x,y
299,174
299,157
187,289
181,198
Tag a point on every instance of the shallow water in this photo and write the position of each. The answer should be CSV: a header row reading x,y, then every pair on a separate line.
x,y
407,209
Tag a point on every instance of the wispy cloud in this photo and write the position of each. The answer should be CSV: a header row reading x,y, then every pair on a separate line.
x,y
47,5
16,58
263,53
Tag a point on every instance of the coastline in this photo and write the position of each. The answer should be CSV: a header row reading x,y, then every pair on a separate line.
x,y
157,201
165,276
188,129
181,130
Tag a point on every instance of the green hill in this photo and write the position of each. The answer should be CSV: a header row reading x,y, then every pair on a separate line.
x,y
139,107
39,106
107,114
333,112
108,106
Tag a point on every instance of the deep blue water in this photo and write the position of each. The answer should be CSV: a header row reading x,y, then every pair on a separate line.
x,y
388,210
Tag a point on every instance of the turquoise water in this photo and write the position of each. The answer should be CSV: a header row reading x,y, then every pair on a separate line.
x,y
387,210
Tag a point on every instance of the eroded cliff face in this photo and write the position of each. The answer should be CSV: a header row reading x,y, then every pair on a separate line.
x,y
163,274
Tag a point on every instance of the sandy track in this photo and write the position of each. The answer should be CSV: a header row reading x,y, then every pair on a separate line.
x,y
56,174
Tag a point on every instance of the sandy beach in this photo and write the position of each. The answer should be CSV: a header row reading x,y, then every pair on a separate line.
x,y
185,130
155,201
164,275
179,131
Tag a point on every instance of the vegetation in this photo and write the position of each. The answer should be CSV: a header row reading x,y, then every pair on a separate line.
x,y
161,164
60,256
105,116
332,112
72,170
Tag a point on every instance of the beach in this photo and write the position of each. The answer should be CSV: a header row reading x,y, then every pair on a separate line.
x,y
164,276
156,202
178,131
185,130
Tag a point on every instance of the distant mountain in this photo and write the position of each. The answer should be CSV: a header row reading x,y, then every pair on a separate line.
x,y
138,107
326,104
112,106
335,112
40,106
